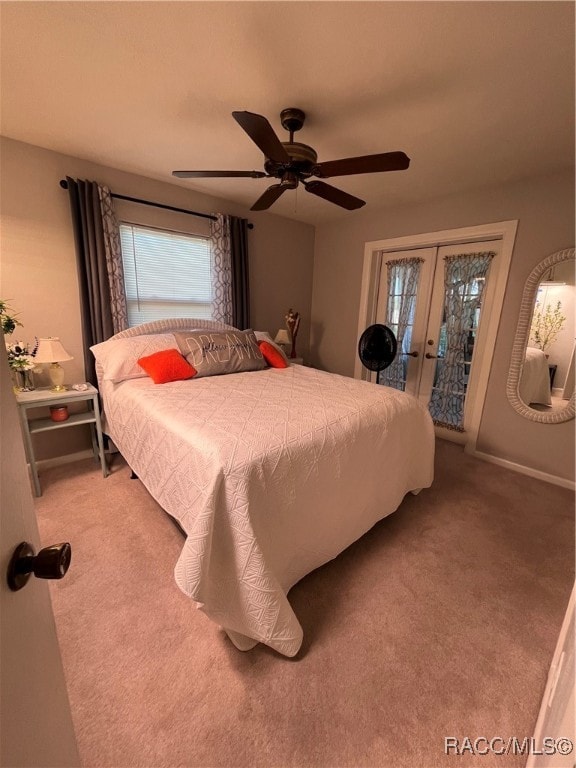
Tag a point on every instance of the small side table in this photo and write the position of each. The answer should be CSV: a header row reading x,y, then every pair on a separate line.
x,y
45,397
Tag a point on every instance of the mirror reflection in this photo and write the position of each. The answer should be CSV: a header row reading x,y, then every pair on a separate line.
x,y
547,379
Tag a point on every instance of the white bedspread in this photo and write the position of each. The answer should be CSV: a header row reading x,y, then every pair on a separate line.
x,y
271,474
535,380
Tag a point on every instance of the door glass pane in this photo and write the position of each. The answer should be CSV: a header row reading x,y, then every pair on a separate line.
x,y
400,310
464,279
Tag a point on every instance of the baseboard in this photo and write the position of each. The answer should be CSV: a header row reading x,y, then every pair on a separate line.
x,y
547,478
68,458
559,392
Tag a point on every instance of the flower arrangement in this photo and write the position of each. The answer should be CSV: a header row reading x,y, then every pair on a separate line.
x,y
547,322
20,355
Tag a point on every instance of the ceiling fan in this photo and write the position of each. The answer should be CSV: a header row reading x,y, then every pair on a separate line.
x,y
293,163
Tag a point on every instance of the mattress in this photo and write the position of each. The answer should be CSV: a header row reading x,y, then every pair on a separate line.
x,y
270,474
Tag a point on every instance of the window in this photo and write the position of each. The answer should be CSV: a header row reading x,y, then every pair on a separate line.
x,y
166,274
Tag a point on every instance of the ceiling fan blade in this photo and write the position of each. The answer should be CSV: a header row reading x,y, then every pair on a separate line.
x,y
217,174
334,195
270,196
389,161
262,134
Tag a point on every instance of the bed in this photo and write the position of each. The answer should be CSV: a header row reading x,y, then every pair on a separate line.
x,y
534,384
269,473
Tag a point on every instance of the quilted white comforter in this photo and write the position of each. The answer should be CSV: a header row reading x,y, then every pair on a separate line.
x,y
535,380
270,474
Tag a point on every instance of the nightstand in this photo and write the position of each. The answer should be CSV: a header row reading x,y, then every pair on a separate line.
x,y
45,397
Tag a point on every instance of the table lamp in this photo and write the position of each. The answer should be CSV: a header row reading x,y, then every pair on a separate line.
x,y
51,351
282,338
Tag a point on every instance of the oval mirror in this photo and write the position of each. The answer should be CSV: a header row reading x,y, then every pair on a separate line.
x,y
541,378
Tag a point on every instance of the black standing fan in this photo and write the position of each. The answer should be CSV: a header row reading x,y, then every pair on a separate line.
x,y
377,347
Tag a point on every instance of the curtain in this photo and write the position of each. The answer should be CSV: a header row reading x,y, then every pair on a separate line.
x,y
99,263
221,269
240,277
230,280
402,277
114,263
464,280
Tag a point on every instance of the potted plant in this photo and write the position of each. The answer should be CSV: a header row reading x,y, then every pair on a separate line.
x,y
547,322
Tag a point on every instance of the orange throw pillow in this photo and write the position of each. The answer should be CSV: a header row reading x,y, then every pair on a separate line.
x,y
271,355
167,365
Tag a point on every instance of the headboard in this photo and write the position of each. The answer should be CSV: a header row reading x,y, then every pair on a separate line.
x,y
166,326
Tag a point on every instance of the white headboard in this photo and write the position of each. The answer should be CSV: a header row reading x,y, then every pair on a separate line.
x,y
166,326
173,324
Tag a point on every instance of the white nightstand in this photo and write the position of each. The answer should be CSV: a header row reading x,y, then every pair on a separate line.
x,y
45,397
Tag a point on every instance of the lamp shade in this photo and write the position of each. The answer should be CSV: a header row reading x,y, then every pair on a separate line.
x,y
51,351
282,337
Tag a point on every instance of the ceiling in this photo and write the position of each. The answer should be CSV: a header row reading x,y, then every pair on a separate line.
x,y
475,93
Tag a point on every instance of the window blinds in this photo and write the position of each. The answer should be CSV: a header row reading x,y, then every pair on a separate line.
x,y
166,274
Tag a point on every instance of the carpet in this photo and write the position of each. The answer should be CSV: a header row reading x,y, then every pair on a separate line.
x,y
440,622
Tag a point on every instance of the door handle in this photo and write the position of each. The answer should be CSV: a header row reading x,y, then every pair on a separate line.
x,y
428,356
410,354
50,563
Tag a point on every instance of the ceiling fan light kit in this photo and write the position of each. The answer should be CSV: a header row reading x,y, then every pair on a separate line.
x,y
293,162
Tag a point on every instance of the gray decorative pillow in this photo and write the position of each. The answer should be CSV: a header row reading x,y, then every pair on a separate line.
x,y
216,352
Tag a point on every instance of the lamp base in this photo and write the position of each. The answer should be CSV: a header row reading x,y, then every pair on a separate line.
x,y
56,373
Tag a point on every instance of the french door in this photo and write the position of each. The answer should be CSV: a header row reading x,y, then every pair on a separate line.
x,y
435,299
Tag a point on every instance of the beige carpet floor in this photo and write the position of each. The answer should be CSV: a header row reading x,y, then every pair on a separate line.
x,y
440,622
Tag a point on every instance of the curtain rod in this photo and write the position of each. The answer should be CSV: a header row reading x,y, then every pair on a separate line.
x,y
64,185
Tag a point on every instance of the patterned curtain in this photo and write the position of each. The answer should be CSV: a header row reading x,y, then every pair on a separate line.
x,y
99,263
221,269
403,277
230,285
114,267
464,281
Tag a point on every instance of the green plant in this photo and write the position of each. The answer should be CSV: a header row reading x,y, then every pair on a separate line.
x,y
20,356
547,322
8,321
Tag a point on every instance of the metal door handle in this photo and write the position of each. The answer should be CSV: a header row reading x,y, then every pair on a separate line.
x,y
410,354
428,356
50,563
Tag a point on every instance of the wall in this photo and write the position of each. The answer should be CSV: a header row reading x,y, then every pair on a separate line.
x,y
545,209
38,274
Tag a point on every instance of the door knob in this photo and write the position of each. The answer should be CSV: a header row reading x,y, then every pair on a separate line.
x,y
428,356
411,354
50,563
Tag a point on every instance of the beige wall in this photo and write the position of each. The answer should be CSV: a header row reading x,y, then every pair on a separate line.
x,y
38,273
38,268
544,208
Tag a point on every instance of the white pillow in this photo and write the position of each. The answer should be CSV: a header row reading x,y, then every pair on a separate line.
x,y
265,336
119,357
